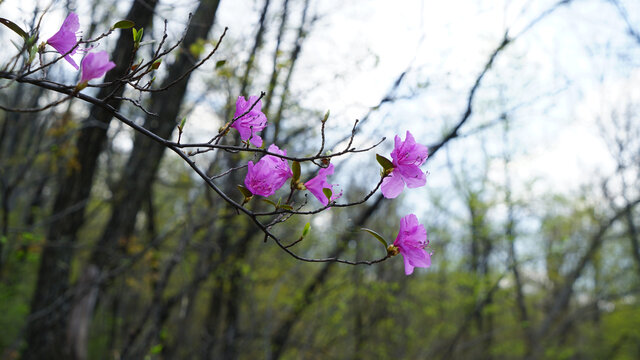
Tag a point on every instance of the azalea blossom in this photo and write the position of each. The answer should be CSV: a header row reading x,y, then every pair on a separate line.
x,y
95,65
411,243
65,39
268,174
407,157
320,182
251,123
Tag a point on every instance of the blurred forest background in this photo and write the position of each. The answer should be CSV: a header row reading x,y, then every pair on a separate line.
x,y
110,250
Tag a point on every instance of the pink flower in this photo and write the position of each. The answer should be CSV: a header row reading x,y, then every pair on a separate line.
x,y
319,182
249,124
65,39
407,157
95,65
269,174
411,242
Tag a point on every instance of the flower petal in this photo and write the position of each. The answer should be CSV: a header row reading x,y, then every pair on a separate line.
x,y
420,258
241,106
252,100
408,268
319,182
409,222
65,39
249,123
392,186
95,65
411,242
71,23
256,140
412,175
269,174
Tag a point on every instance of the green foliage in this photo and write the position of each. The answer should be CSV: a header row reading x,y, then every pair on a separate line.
x,y
328,193
307,228
15,28
197,48
137,37
295,167
387,165
377,236
124,24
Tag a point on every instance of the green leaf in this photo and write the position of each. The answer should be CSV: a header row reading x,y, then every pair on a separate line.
x,y
377,236
270,202
32,41
326,116
196,49
33,51
28,236
295,167
384,162
123,24
156,64
220,63
182,122
286,207
17,29
306,229
137,36
245,192
327,192
156,349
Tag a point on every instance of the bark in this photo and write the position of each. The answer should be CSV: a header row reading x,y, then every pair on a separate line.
x,y
214,317
633,237
143,163
222,317
357,305
18,134
232,301
45,334
157,311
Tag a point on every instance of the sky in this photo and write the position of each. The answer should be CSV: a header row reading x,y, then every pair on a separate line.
x,y
560,76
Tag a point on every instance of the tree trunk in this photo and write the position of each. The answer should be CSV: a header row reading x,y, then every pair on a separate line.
x,y
46,329
141,168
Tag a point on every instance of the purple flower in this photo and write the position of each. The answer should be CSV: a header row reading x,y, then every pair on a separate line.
x,y
319,182
268,174
249,124
411,242
95,65
407,157
65,39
